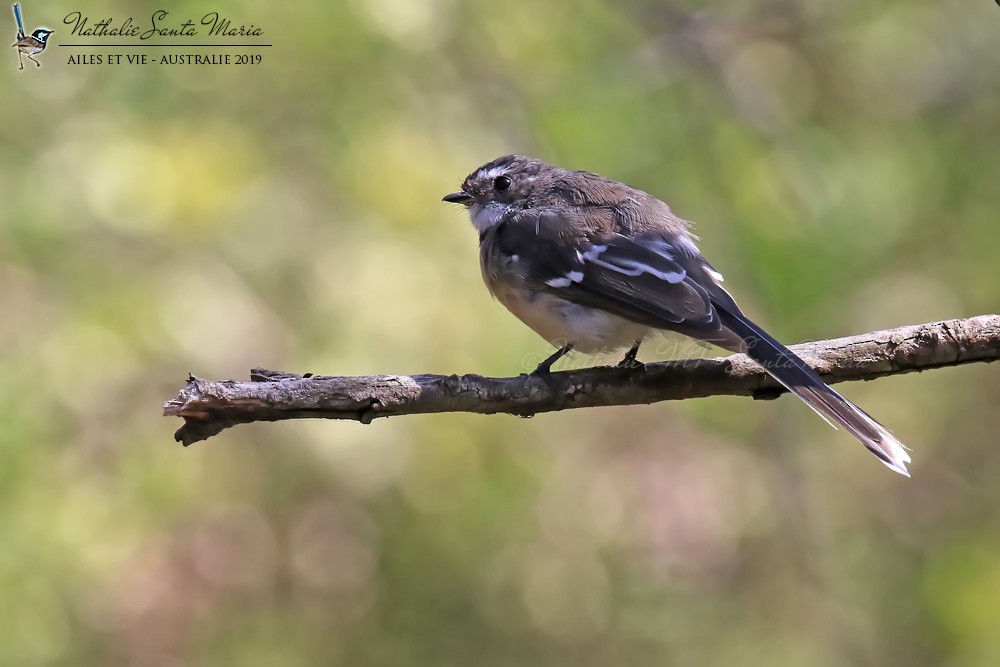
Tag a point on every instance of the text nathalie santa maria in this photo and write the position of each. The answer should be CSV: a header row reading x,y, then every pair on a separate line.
x,y
159,26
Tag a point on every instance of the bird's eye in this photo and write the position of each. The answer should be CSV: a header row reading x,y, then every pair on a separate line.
x,y
501,183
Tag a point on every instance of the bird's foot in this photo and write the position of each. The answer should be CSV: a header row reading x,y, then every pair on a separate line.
x,y
545,367
630,361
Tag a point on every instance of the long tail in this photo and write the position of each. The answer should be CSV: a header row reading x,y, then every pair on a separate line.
x,y
20,22
805,383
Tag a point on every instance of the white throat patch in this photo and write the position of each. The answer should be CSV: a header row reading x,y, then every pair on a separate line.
x,y
485,216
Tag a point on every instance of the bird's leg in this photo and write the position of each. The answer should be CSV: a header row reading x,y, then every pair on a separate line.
x,y
37,64
543,368
20,60
630,361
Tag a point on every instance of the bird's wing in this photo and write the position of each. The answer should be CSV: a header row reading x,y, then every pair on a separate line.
x,y
657,279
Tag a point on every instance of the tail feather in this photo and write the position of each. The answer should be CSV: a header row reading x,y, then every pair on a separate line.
x,y
788,369
20,21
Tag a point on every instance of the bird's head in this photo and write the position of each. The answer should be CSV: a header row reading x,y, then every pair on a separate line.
x,y
509,180
507,183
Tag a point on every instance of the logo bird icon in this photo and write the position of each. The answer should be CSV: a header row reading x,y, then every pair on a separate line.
x,y
29,45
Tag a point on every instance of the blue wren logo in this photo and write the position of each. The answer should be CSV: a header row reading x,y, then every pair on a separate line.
x,y
29,45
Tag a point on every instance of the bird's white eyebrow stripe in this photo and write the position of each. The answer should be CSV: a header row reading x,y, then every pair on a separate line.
x,y
492,172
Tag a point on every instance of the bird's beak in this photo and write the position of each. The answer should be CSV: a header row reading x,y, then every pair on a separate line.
x,y
458,198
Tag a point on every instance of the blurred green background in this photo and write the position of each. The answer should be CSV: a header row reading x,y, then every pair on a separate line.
x,y
840,159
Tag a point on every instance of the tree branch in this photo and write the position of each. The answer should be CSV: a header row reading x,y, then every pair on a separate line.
x,y
209,407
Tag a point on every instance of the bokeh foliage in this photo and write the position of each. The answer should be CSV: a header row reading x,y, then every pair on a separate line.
x,y
840,158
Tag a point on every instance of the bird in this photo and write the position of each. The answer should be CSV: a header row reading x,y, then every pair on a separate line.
x,y
33,44
29,45
592,265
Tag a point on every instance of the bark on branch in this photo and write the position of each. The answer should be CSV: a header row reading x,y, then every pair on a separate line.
x,y
209,406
